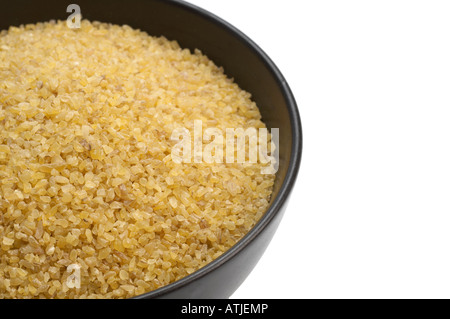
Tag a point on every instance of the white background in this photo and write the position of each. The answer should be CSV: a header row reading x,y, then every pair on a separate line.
x,y
370,213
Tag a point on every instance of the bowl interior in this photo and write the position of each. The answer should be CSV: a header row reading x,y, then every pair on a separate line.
x,y
192,30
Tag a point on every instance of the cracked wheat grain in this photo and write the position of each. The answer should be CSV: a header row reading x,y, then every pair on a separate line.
x,y
86,175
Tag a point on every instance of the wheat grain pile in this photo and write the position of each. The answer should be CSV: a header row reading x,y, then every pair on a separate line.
x,y
86,175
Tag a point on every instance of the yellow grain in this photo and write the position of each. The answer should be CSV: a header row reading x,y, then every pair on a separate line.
x,y
86,174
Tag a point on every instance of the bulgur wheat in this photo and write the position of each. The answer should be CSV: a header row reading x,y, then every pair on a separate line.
x,y
86,175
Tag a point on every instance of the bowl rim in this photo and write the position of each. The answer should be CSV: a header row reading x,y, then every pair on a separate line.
x,y
291,173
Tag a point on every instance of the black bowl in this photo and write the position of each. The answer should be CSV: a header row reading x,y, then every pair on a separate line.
x,y
251,68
